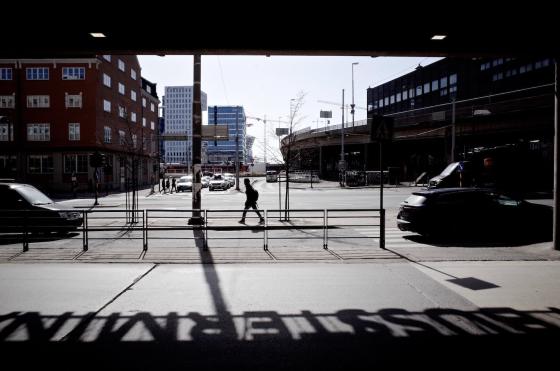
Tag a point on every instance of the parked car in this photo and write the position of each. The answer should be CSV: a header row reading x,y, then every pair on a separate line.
x,y
230,178
25,207
468,211
205,181
218,182
184,183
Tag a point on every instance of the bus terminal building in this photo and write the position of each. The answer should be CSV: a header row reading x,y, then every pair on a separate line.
x,y
498,109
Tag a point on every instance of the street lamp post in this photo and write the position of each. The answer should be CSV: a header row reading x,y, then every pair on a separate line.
x,y
353,105
453,129
237,149
342,165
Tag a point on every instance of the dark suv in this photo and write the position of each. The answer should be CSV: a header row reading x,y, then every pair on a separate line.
x,y
25,208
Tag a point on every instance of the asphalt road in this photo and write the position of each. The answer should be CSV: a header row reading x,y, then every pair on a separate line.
x,y
351,237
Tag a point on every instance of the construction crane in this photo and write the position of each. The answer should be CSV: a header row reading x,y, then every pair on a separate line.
x,y
264,120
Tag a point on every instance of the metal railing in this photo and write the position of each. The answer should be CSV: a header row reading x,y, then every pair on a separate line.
x,y
153,225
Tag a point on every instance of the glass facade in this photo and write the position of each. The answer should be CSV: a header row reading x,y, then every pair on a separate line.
x,y
224,151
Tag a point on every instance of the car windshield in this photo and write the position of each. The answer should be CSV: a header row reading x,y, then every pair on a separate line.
x,y
185,179
506,201
217,177
449,169
33,195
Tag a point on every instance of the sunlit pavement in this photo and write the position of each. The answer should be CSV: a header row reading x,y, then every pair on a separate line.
x,y
291,316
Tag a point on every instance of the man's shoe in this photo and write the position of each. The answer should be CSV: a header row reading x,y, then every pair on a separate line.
x,y
242,221
261,221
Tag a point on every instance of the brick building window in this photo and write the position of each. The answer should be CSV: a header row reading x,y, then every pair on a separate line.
x,y
37,73
6,132
121,65
7,101
40,164
74,131
121,89
106,80
133,74
73,73
5,73
73,101
106,134
133,116
38,101
39,132
133,95
107,57
75,164
106,105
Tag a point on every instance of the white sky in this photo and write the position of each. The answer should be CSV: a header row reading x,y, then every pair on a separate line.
x,y
265,85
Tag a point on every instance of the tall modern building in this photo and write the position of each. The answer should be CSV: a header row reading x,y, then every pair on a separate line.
x,y
178,117
55,113
223,152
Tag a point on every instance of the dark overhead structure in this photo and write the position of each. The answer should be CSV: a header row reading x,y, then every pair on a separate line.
x,y
469,30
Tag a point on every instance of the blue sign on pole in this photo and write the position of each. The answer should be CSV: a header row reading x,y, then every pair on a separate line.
x,y
461,167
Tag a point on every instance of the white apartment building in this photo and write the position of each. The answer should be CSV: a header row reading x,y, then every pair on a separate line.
x,y
179,120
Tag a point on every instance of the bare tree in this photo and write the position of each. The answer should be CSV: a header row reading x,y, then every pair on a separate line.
x,y
289,157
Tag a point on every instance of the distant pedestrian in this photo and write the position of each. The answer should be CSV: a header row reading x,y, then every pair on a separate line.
x,y
162,189
167,184
173,185
251,201
74,184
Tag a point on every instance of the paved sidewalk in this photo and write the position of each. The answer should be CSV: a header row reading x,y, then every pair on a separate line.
x,y
277,317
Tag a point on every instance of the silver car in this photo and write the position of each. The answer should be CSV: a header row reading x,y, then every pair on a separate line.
x,y
218,182
184,183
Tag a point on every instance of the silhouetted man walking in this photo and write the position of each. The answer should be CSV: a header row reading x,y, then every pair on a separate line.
x,y
251,202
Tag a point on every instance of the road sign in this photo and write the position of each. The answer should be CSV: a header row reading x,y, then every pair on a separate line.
x,y
215,132
177,137
209,132
381,128
281,131
325,114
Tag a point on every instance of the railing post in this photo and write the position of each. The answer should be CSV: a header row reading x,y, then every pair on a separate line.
x,y
86,230
326,245
382,229
265,230
145,228
25,231
205,243
324,229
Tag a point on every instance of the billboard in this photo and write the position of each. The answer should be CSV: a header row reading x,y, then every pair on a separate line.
x,y
325,114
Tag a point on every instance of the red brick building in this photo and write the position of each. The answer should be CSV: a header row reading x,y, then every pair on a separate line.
x,y
54,113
